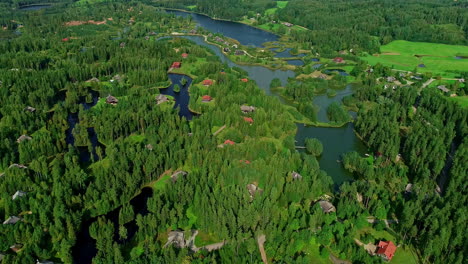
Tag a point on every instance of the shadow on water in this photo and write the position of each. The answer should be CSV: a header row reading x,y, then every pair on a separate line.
x,y
33,7
85,248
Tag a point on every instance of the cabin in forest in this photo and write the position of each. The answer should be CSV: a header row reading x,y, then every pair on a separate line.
x,y
175,176
296,176
18,194
122,44
386,249
161,98
23,138
177,238
15,165
176,65
247,109
207,82
248,120
206,99
409,188
244,80
229,142
30,109
12,220
287,24
443,88
65,39
149,147
184,55
16,247
239,52
327,207
338,60
111,100
253,189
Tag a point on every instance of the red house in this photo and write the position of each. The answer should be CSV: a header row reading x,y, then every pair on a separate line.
x,y
65,39
248,119
229,142
184,55
338,60
176,65
206,98
244,80
386,249
207,82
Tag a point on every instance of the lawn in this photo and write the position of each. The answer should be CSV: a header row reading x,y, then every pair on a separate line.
x,y
281,4
461,100
438,58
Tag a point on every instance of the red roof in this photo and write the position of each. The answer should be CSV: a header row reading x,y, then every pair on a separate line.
x,y
223,72
206,98
65,39
245,161
184,55
387,249
207,82
248,119
176,64
244,80
229,142
338,59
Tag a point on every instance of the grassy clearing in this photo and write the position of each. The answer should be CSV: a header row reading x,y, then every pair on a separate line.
x,y
438,58
281,4
461,100
312,250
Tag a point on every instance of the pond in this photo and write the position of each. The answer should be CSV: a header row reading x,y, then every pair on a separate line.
x,y
246,35
85,248
182,98
295,62
339,71
322,101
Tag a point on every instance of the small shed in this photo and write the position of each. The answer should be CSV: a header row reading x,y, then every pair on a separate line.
x,y
16,247
327,207
161,98
111,100
12,220
184,55
248,120
23,138
30,109
18,194
296,176
229,142
175,176
176,65
206,99
247,109
244,80
207,82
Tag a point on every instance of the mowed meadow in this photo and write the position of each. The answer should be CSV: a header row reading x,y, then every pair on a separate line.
x,y
440,59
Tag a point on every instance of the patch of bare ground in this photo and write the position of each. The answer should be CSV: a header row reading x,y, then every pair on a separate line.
x,y
79,23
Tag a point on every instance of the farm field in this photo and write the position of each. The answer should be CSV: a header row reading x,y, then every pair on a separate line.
x,y
439,59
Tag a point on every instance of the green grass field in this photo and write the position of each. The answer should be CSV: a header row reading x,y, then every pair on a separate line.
x,y
281,4
461,100
438,58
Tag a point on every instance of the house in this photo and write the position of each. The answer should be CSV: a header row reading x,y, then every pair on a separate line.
x,y
391,79
253,189
323,76
177,238
18,194
176,65
30,109
235,46
296,176
23,138
175,176
287,24
12,220
226,50
65,39
117,78
206,99
386,249
161,98
247,109
240,52
20,166
244,80
409,188
338,60
184,55
248,120
207,82
218,39
443,88
149,147
16,247
327,207
122,44
245,161
229,142
111,100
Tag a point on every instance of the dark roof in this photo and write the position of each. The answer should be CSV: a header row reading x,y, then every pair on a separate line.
x,y
327,207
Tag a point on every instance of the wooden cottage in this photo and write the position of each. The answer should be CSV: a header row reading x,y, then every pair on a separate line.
x,y
111,100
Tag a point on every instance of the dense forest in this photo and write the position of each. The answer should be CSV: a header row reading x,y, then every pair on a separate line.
x,y
94,168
